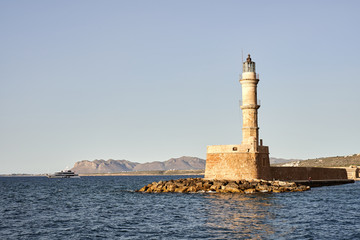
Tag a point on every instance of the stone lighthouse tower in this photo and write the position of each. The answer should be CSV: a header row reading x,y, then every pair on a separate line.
x,y
249,81
250,159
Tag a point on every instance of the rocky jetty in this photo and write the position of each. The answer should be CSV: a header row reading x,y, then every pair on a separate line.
x,y
192,185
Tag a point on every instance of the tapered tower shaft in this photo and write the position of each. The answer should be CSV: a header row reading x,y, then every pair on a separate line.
x,y
250,106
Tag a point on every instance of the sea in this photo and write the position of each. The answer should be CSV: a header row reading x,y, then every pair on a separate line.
x,y
107,207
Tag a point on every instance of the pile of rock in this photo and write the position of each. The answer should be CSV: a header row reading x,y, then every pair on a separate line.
x,y
222,186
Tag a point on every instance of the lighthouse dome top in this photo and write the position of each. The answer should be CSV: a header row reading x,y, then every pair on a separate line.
x,y
248,65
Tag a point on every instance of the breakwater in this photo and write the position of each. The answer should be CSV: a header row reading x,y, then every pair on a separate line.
x,y
192,185
321,183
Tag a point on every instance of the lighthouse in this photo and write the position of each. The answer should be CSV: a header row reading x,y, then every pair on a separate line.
x,y
249,80
250,159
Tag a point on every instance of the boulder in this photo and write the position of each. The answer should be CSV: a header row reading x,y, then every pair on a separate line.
x,y
231,189
215,187
250,190
192,189
276,191
262,188
181,189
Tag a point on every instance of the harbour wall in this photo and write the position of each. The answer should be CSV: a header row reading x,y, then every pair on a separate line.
x,y
304,173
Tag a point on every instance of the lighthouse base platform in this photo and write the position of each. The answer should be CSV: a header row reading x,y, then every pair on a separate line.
x,y
243,162
236,162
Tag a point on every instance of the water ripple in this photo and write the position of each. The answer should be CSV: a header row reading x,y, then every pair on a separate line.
x,y
108,208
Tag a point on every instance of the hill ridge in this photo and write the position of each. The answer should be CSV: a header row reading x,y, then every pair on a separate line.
x,y
113,166
338,161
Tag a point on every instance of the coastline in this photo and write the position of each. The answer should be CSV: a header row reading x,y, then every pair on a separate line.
x,y
149,173
137,173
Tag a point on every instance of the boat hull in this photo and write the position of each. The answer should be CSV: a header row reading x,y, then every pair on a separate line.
x,y
63,176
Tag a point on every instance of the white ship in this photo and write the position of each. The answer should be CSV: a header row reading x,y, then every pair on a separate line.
x,y
64,174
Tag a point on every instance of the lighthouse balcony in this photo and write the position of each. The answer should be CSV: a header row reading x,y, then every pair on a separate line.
x,y
249,106
247,77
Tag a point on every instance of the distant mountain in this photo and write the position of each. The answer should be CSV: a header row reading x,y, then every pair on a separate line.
x,y
102,166
113,166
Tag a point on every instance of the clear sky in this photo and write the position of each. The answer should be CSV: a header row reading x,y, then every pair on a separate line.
x,y
151,80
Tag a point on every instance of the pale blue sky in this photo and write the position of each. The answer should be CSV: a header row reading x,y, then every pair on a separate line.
x,y
151,80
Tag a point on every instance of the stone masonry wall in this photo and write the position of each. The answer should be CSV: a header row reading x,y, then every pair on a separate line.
x,y
237,165
238,162
303,173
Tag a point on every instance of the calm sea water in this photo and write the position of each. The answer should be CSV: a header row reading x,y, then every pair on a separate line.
x,y
108,208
